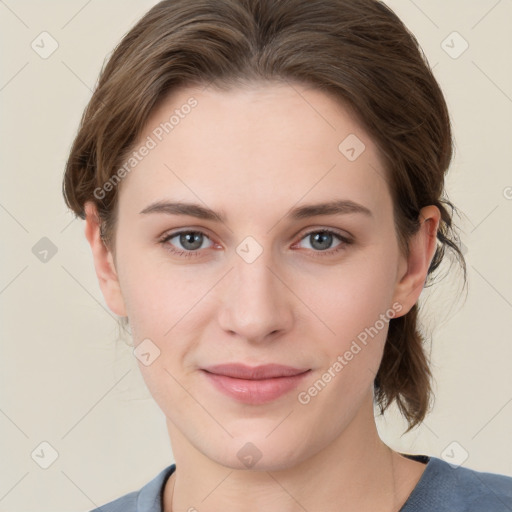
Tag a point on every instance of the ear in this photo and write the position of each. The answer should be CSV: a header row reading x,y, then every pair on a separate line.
x,y
413,270
103,262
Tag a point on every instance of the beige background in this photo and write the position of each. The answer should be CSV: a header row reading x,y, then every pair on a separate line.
x,y
65,377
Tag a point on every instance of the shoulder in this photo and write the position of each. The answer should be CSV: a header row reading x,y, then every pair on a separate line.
x,y
445,487
147,499
483,490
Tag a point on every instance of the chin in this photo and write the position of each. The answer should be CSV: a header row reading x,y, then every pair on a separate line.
x,y
259,452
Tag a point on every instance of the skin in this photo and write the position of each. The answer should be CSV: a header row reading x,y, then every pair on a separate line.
x,y
255,152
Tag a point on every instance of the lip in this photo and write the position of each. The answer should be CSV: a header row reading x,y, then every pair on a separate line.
x,y
265,371
254,385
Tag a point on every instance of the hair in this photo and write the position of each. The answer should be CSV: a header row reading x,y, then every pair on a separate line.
x,y
357,50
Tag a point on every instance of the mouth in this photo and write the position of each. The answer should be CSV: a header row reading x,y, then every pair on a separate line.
x,y
254,385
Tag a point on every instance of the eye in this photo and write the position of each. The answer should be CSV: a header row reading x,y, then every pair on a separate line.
x,y
191,241
321,241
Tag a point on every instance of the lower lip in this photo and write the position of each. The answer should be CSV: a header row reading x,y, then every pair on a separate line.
x,y
255,391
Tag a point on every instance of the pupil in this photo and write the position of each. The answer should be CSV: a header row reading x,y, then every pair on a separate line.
x,y
191,238
322,237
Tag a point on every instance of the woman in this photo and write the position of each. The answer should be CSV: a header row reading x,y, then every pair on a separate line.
x,y
262,188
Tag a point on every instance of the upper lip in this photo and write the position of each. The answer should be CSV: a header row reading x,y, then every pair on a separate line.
x,y
242,371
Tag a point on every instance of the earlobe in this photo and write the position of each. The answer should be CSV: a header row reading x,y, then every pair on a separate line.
x,y
103,262
422,247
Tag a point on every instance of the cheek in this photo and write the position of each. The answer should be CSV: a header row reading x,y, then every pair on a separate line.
x,y
355,307
358,313
156,292
163,304
354,296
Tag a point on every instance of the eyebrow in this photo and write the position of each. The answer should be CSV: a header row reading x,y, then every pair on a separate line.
x,y
337,207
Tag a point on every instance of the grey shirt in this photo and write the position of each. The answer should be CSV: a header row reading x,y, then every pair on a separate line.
x,y
441,488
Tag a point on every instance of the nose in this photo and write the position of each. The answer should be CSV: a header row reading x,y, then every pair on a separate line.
x,y
254,303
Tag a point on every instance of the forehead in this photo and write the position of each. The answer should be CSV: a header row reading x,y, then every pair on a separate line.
x,y
251,147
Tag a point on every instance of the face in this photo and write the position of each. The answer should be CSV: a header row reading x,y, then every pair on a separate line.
x,y
270,283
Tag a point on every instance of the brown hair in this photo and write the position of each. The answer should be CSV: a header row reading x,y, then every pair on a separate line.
x,y
357,50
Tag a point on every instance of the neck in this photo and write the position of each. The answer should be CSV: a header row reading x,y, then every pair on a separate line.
x,y
355,472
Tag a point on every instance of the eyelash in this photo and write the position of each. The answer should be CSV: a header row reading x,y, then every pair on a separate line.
x,y
187,254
